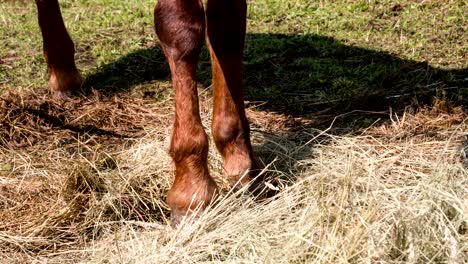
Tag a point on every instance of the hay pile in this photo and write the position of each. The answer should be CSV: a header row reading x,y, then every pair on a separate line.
x,y
85,181
59,173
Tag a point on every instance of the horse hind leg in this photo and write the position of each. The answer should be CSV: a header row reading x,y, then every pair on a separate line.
x,y
226,27
59,50
180,26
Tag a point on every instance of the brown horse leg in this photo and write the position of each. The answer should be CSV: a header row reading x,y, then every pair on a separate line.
x,y
58,50
180,26
226,23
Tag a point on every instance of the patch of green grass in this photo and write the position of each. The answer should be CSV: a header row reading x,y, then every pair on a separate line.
x,y
432,31
305,51
103,32
347,51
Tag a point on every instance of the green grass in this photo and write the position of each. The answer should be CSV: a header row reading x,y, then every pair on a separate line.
x,y
306,51
338,50
103,32
431,31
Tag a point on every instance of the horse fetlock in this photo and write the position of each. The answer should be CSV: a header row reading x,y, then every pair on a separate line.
x,y
240,166
193,190
233,142
64,82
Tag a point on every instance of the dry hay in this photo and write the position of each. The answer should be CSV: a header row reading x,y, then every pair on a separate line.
x,y
392,194
54,157
85,181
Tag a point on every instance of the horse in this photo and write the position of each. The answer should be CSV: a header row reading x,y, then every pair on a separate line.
x,y
182,27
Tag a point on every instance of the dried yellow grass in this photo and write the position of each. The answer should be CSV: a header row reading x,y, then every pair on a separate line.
x,y
393,193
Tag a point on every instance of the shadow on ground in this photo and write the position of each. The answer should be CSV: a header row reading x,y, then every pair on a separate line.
x,y
305,75
309,80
